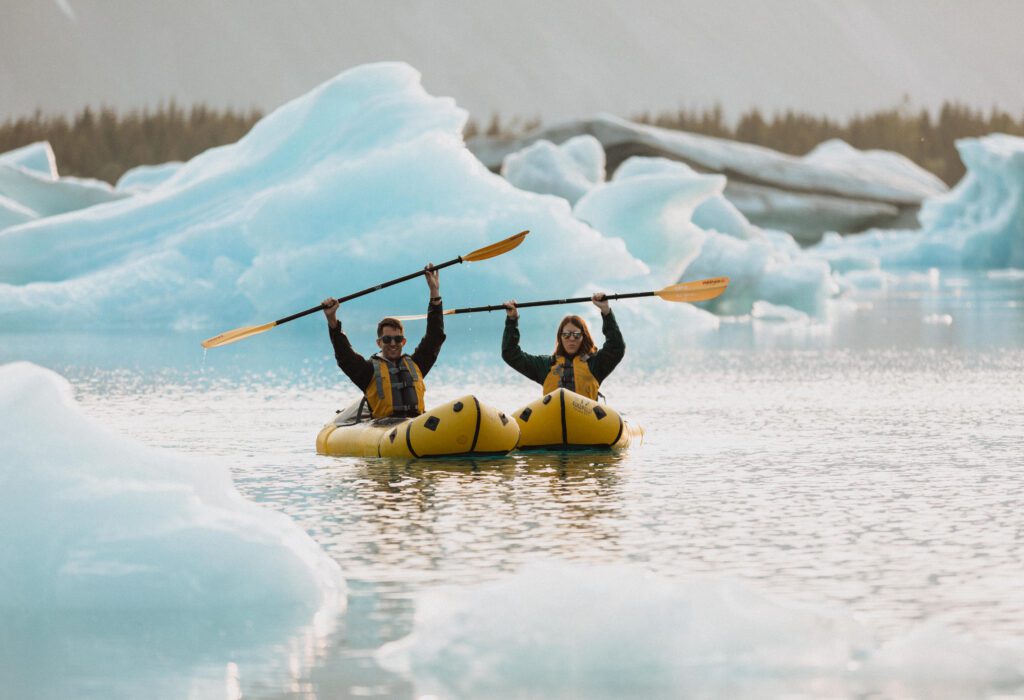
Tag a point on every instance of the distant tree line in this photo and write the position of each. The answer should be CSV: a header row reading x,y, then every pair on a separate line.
x,y
103,144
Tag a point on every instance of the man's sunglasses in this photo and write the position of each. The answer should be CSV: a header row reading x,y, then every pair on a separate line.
x,y
388,339
572,334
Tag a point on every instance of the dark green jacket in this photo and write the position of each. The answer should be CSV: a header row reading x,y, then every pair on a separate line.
x,y
537,367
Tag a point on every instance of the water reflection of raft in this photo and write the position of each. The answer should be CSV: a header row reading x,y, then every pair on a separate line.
x,y
463,427
563,420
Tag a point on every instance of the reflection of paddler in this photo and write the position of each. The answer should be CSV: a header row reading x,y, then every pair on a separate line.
x,y
391,380
577,364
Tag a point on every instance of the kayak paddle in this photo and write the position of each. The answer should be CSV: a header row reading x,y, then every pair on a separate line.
x,y
700,290
490,251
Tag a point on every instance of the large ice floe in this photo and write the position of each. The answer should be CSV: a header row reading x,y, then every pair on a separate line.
x,y
834,188
979,224
364,177
128,562
566,630
91,520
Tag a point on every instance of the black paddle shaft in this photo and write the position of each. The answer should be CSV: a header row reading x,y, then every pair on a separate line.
x,y
550,302
368,290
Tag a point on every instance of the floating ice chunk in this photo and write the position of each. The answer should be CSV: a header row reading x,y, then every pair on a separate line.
x,y
838,189
364,177
869,279
716,213
757,271
979,224
49,197
845,178
36,157
931,654
562,630
808,215
764,311
841,257
568,170
143,178
938,320
652,214
887,166
93,521
918,280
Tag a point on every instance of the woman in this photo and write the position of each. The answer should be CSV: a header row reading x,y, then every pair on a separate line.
x,y
577,364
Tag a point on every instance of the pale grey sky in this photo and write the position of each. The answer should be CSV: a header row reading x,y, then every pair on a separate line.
x,y
547,58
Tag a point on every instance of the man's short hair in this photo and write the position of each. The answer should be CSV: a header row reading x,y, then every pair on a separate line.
x,y
388,321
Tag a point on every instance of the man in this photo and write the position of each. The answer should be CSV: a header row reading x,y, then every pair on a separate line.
x,y
391,380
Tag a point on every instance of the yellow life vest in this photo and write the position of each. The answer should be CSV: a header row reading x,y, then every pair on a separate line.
x,y
585,383
395,389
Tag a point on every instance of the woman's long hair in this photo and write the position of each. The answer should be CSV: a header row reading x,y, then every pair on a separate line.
x,y
587,346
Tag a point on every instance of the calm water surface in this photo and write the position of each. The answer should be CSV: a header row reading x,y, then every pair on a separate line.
x,y
874,465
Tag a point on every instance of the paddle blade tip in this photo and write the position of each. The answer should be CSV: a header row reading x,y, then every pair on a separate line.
x,y
496,249
234,336
699,290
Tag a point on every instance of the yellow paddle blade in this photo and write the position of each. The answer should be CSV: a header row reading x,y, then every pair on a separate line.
x,y
420,317
238,334
701,290
495,249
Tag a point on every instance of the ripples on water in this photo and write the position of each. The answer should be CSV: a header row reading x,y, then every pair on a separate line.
x,y
883,480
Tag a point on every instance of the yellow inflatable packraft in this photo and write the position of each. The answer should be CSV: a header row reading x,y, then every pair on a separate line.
x,y
563,420
463,427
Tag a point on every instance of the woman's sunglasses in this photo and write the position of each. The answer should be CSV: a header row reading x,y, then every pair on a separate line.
x,y
388,339
572,334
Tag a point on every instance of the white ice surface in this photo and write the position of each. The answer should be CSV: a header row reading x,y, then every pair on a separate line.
x,y
367,177
35,157
840,174
652,208
143,178
49,197
715,213
979,224
876,165
568,170
12,213
90,520
364,178
567,630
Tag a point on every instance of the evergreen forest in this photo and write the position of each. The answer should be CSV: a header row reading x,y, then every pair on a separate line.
x,y
103,144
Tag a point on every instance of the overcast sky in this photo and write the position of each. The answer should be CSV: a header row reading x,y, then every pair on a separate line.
x,y
547,58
